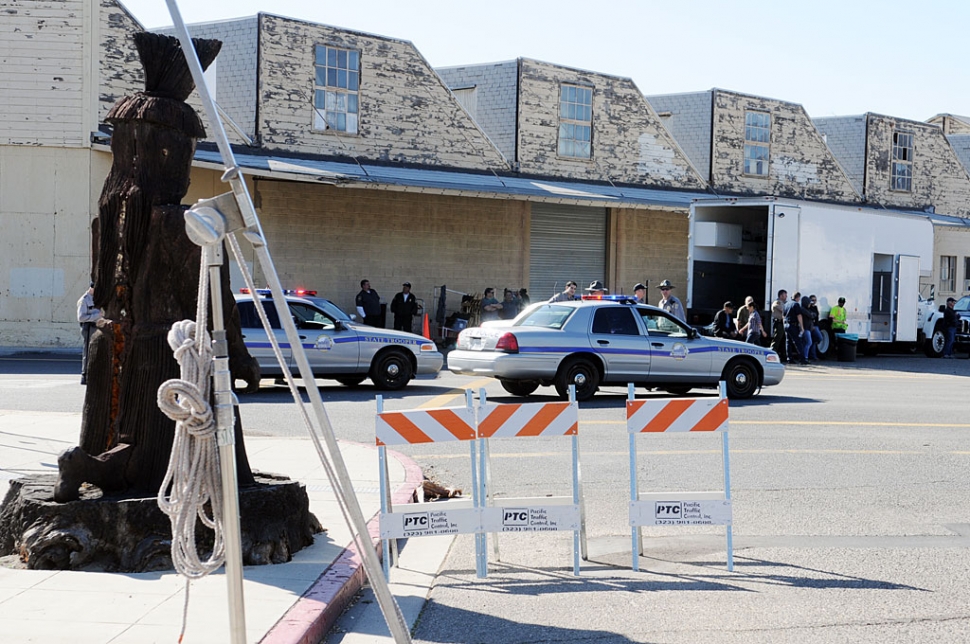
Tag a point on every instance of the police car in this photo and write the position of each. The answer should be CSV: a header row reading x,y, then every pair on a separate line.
x,y
609,340
336,346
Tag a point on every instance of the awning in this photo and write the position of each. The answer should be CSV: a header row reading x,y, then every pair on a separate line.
x,y
467,184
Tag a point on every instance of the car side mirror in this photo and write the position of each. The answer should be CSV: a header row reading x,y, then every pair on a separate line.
x,y
339,325
692,334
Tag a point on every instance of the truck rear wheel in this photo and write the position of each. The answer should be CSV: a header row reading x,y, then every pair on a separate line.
x,y
933,345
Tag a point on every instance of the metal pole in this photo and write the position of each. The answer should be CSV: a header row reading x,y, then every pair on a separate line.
x,y
484,481
634,493
382,473
479,550
726,456
342,483
576,491
226,440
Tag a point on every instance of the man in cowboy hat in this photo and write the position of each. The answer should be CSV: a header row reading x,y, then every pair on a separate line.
x,y
640,292
596,288
669,303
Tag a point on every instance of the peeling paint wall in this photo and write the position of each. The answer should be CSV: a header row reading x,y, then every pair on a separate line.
x,y
800,163
407,114
42,75
121,70
951,124
629,144
939,179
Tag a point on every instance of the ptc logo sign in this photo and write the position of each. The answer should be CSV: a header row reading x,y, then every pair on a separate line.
x,y
416,522
668,510
515,517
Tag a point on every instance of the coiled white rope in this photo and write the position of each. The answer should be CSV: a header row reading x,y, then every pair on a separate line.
x,y
192,479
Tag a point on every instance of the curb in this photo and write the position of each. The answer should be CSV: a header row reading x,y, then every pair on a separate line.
x,y
313,615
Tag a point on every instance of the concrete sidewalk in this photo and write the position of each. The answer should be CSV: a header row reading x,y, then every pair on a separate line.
x,y
285,603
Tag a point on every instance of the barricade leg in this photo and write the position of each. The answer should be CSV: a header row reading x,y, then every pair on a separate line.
x,y
476,498
486,483
382,468
579,536
634,490
726,455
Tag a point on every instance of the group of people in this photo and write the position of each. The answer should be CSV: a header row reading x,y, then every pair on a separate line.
x,y
796,333
404,306
747,325
513,302
668,301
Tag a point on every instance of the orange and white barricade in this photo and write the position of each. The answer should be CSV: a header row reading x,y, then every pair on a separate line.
x,y
670,415
530,514
455,516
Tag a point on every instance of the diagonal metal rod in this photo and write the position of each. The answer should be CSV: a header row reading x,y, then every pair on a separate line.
x,y
253,232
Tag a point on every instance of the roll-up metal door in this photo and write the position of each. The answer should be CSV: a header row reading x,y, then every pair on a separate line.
x,y
566,243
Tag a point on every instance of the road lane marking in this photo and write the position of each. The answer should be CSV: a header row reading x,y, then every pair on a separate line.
x,y
442,400
685,452
813,423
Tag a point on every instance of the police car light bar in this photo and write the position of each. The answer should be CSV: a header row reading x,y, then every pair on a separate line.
x,y
265,292
625,299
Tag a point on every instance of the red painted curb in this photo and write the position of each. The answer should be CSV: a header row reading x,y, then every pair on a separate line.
x,y
313,615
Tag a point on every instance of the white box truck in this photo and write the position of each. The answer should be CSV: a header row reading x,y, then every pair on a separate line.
x,y
757,246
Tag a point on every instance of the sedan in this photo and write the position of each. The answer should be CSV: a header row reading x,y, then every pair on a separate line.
x,y
610,341
336,346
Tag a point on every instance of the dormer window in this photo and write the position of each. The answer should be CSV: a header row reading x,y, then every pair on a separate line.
x,y
757,136
336,89
575,121
902,178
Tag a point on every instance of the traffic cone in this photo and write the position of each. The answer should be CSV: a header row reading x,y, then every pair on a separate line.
x,y
425,328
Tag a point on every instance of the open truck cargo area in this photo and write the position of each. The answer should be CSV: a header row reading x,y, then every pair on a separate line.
x,y
757,246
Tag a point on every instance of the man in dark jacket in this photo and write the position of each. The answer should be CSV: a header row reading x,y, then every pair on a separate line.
x,y
369,305
950,318
724,322
794,327
404,306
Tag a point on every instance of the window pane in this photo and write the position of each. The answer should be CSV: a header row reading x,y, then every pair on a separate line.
x,y
318,122
352,81
352,103
342,122
352,123
342,78
342,59
321,76
354,62
321,55
331,57
320,99
331,78
331,102
341,102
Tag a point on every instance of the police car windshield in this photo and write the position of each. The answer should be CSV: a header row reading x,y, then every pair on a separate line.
x,y
548,316
963,304
329,307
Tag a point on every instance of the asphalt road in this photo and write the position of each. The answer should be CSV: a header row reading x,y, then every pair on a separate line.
x,y
851,492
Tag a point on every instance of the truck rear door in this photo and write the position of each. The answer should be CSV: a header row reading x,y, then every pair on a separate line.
x,y
905,297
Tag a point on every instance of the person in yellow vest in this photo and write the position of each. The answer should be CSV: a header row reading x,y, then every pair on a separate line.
x,y
837,315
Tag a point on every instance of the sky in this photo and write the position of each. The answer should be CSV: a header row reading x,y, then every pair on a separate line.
x,y
836,58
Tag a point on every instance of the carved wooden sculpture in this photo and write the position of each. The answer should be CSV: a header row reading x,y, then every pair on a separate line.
x,y
146,278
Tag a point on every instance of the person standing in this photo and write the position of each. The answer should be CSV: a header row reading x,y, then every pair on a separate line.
x,y
640,293
753,330
837,315
724,322
369,305
669,303
404,306
87,317
490,306
524,299
795,328
949,327
596,288
778,337
742,317
816,332
567,295
510,307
